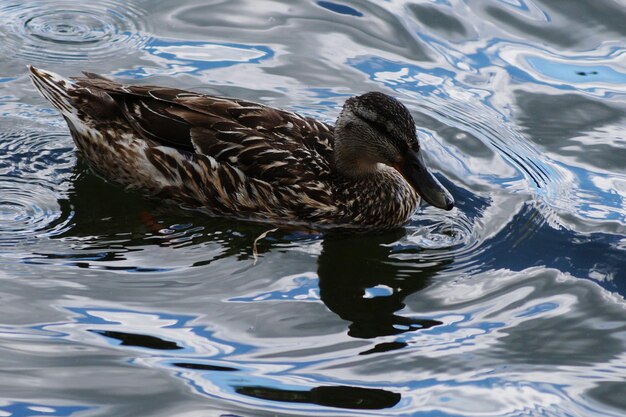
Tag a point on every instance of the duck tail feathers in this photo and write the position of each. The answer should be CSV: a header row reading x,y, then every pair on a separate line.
x,y
54,88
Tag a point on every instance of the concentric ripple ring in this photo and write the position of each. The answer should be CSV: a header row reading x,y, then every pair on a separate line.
x,y
29,210
67,30
35,168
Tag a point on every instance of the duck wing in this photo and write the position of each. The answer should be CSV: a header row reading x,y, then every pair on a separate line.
x,y
266,143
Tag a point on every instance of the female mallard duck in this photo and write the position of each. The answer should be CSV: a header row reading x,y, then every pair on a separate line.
x,y
241,159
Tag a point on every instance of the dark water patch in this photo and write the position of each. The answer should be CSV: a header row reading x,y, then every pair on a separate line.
x,y
609,393
609,16
584,134
573,25
539,30
138,340
575,114
204,367
340,8
558,122
355,398
442,22
385,347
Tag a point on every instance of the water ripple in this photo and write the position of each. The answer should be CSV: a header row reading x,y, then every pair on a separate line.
x,y
29,210
34,169
511,304
49,156
446,232
58,31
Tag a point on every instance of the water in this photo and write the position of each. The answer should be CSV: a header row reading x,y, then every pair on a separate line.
x,y
509,305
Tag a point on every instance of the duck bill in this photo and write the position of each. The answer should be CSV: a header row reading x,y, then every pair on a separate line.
x,y
424,182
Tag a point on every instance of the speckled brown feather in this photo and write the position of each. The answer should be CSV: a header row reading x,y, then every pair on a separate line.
x,y
223,156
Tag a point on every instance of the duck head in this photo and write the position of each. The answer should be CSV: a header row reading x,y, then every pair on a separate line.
x,y
375,128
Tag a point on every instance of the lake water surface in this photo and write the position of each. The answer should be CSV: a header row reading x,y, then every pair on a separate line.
x,y
509,305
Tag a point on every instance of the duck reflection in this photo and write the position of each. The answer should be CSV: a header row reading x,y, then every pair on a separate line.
x,y
359,278
352,270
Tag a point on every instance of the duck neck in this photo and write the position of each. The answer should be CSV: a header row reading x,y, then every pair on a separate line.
x,y
349,165
349,160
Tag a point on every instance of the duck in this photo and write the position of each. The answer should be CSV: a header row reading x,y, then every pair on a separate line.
x,y
240,159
